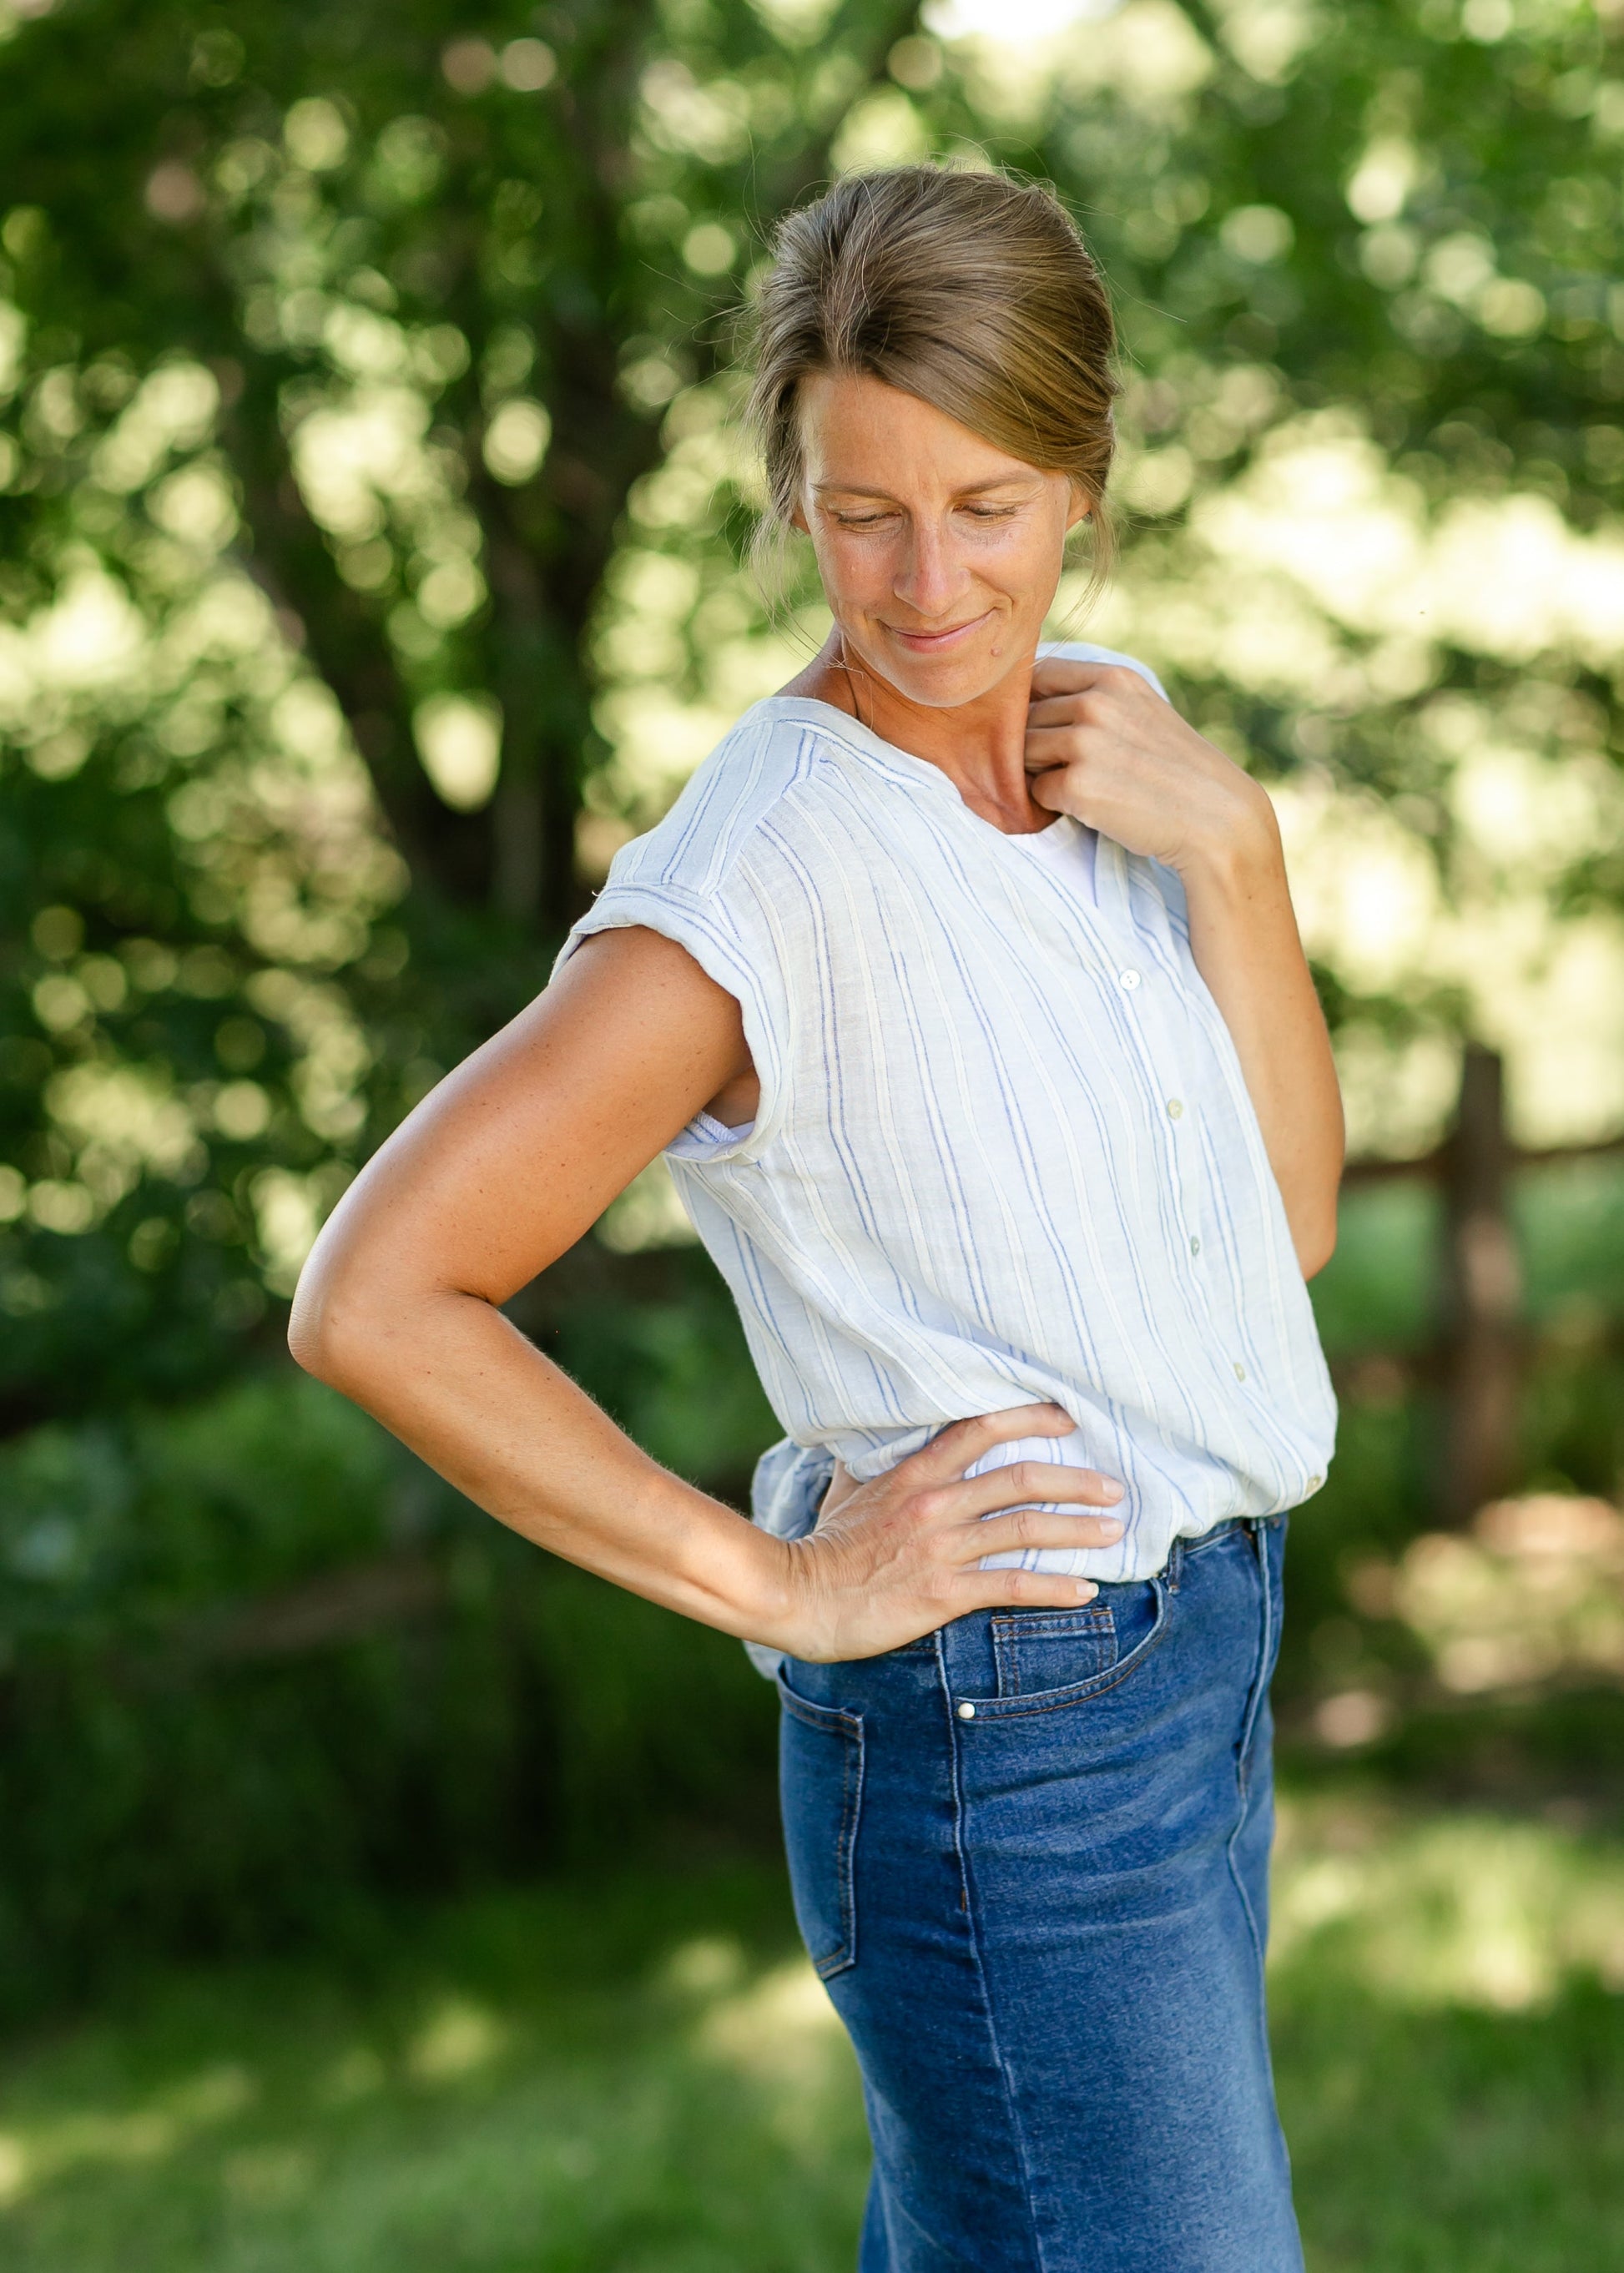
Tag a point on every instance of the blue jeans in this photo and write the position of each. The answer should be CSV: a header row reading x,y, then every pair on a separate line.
x,y
1029,1857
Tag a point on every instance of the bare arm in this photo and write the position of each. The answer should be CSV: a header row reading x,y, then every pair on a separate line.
x,y
1103,745
504,1166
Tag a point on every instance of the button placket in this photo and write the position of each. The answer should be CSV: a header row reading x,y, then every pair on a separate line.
x,y
1155,1044
1174,1107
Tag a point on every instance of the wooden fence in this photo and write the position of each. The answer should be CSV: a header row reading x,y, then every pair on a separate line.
x,y
1483,1345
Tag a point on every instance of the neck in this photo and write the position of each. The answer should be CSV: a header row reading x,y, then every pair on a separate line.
x,y
979,746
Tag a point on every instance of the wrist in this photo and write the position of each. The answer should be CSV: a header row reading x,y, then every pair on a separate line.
x,y
1241,847
785,1611
714,1564
768,1613
758,1589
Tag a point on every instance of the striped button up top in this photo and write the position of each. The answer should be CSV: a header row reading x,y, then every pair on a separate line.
x,y
1003,1153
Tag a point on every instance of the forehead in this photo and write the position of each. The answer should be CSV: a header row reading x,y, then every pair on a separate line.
x,y
856,428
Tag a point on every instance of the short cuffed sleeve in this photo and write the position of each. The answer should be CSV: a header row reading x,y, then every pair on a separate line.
x,y
704,927
697,878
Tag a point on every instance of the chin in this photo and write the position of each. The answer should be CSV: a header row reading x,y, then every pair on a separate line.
x,y
946,682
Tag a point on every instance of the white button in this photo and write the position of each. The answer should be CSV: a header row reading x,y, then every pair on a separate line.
x,y
966,1712
1314,1482
1175,1107
1240,1370
1129,979
1195,1244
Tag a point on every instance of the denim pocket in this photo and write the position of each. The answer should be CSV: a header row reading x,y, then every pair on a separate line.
x,y
1039,1671
1035,1650
820,1779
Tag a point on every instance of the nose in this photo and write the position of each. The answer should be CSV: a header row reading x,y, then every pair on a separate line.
x,y
929,579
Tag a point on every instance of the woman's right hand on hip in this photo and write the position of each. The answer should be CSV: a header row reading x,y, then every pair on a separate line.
x,y
896,1557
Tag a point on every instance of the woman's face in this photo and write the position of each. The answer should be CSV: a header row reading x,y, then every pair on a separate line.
x,y
939,553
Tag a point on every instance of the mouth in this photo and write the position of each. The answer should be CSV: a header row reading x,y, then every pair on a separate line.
x,y
937,642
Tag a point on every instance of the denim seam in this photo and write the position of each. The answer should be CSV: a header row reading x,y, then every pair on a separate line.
x,y
960,1848
1216,1537
847,1730
1241,1779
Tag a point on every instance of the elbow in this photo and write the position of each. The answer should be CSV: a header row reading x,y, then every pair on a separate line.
x,y
326,1334
309,1338
1315,1244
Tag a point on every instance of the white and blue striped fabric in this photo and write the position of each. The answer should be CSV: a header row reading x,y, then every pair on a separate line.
x,y
1004,1153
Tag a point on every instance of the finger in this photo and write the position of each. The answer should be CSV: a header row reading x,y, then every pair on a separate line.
x,y
962,1443
1059,674
1025,1590
1052,755
1032,1480
1051,710
1036,1526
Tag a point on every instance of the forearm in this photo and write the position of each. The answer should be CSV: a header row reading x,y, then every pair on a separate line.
x,y
452,1377
1244,939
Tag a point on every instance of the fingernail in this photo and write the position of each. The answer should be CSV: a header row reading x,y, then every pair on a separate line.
x,y
1111,1528
1113,1489
1086,1590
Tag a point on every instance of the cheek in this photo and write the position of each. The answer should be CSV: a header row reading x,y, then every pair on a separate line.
x,y
1024,563
852,567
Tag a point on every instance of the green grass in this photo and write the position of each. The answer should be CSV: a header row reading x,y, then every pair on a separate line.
x,y
640,2075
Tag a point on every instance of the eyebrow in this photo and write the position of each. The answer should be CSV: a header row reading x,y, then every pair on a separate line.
x,y
971,489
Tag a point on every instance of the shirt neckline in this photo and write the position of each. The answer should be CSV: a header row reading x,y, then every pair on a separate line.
x,y
1110,860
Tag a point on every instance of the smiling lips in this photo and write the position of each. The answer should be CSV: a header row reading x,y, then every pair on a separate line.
x,y
934,642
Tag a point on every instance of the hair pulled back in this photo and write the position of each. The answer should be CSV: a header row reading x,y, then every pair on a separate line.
x,y
969,290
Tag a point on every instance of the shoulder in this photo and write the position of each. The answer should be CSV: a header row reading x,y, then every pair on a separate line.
x,y
1086,651
727,803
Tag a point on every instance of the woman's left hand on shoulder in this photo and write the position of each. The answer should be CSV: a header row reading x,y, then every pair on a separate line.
x,y
1104,747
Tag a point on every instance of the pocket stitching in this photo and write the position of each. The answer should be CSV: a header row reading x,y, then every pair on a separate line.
x,y
833,1720
1077,1692
1050,1622
1009,1627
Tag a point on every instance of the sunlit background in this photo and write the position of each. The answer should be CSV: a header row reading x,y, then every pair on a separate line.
x,y
372,518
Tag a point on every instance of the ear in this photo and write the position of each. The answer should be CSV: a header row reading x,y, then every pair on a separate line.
x,y
1082,506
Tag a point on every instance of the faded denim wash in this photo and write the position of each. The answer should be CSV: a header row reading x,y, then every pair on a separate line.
x,y
1042,1922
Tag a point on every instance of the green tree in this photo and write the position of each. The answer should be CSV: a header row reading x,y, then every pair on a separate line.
x,y
335,343
370,454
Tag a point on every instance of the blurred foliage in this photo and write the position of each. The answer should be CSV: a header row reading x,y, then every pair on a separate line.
x,y
259,1667
372,517
641,2070
260,1671
334,345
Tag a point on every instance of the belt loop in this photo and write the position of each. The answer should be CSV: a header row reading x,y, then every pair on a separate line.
x,y
1175,1565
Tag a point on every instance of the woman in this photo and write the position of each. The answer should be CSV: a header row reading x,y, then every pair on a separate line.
x,y
962,992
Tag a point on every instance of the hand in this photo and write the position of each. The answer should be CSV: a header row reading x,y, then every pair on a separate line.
x,y
1103,746
897,1558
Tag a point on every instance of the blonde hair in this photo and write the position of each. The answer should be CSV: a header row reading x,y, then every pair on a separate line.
x,y
972,291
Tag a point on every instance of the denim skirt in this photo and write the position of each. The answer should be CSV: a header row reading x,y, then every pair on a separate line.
x,y
1029,1855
